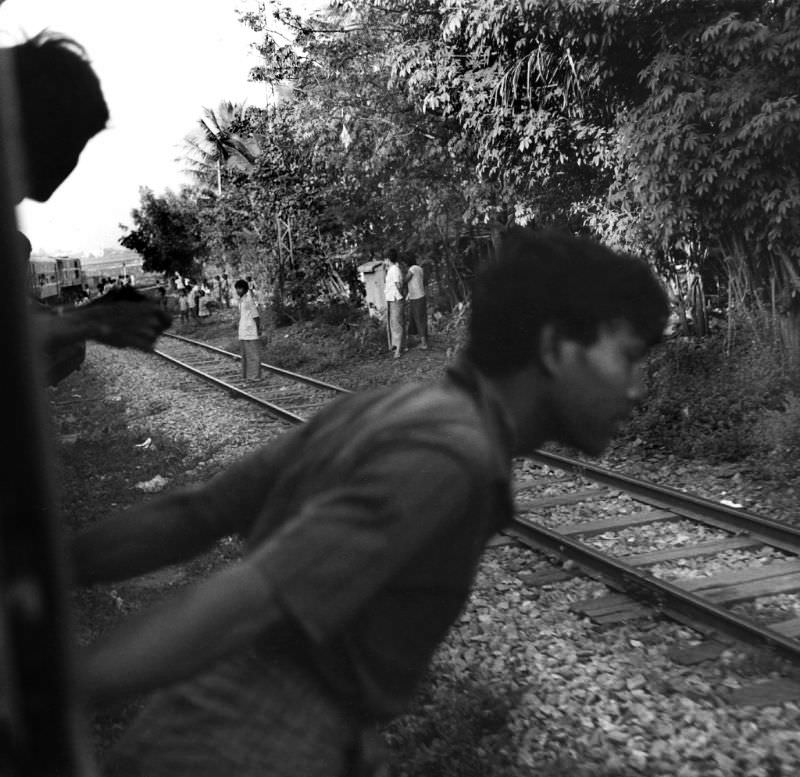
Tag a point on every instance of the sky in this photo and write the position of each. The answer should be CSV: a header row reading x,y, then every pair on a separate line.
x,y
160,62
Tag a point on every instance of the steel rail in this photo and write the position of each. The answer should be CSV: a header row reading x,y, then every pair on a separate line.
x,y
270,367
276,410
687,505
664,596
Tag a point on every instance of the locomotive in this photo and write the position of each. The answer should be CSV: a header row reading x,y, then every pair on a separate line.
x,y
56,281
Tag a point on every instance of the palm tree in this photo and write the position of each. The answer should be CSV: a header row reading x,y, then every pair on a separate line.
x,y
214,144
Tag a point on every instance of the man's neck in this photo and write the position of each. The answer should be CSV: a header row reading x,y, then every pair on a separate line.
x,y
525,396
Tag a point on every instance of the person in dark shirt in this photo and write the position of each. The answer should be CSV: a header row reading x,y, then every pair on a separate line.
x,y
286,662
60,107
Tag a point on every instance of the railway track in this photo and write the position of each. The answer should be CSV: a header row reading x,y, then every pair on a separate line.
x,y
287,395
640,539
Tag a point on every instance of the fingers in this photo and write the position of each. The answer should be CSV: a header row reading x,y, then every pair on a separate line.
x,y
131,324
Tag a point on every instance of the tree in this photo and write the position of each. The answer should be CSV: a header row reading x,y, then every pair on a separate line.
x,y
219,143
427,125
709,160
167,232
384,172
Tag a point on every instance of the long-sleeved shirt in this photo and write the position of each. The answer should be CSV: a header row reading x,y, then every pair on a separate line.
x,y
368,522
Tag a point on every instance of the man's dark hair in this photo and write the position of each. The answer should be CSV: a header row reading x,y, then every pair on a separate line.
x,y
391,255
242,284
573,283
61,102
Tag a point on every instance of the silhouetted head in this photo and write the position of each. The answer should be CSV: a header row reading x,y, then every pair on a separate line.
x,y
574,284
61,107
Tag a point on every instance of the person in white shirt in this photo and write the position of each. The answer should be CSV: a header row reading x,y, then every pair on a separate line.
x,y
417,305
393,293
203,311
249,332
194,291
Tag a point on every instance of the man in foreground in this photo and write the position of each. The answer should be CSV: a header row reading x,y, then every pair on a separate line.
x,y
60,107
282,663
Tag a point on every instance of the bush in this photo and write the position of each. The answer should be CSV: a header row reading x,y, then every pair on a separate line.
x,y
702,403
339,313
777,438
325,345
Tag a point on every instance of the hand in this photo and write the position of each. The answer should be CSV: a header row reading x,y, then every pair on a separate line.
x,y
126,324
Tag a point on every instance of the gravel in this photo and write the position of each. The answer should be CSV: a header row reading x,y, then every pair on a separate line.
x,y
523,685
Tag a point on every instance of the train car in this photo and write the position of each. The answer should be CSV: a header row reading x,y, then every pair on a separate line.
x,y
70,278
56,281
93,273
43,274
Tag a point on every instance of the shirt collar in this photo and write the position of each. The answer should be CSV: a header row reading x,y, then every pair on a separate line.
x,y
492,410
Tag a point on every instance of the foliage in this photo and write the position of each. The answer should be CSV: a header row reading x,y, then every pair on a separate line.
x,y
276,216
708,162
704,403
345,168
336,337
667,127
777,438
538,87
217,143
167,232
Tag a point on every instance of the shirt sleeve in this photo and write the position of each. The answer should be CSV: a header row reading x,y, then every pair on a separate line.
x,y
234,498
345,544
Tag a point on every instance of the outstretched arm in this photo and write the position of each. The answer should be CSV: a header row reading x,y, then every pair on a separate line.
x,y
182,636
161,532
121,323
177,526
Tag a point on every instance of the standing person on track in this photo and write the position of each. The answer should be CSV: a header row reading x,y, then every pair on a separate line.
x,y
183,305
249,332
286,662
393,294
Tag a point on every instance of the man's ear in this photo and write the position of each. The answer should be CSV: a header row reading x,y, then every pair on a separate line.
x,y
557,352
550,342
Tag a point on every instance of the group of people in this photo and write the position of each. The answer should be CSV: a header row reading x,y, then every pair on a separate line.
x,y
406,303
363,527
217,288
197,300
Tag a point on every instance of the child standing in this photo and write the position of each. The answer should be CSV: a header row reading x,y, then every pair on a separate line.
x,y
203,311
183,305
